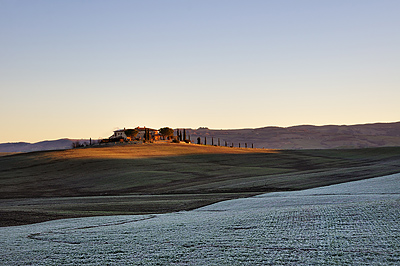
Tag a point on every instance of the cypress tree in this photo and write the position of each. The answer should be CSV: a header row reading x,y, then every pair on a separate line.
x,y
184,134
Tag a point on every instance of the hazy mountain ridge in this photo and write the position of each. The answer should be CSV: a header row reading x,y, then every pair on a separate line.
x,y
46,145
306,136
295,137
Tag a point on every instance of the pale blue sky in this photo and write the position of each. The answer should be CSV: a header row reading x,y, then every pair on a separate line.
x,y
80,69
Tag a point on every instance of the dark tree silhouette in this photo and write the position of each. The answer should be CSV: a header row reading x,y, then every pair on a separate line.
x,y
131,133
166,132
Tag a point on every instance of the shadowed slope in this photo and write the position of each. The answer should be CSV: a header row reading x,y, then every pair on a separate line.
x,y
131,179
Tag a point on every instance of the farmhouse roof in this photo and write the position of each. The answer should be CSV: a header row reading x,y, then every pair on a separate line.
x,y
144,128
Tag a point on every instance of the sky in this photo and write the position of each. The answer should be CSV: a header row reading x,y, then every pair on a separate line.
x,y
81,69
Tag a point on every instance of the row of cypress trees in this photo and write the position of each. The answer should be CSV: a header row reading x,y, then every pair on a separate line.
x,y
182,136
147,134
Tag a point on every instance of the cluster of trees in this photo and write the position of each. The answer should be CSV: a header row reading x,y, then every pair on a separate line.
x,y
77,144
131,133
119,139
146,135
181,136
166,132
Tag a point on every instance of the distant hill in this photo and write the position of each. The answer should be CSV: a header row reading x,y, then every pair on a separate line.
x,y
296,137
59,144
305,136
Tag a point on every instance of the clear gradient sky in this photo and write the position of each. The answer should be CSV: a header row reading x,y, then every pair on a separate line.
x,y
80,69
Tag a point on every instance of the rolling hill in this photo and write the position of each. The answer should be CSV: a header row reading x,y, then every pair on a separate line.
x,y
306,136
46,145
296,137
159,178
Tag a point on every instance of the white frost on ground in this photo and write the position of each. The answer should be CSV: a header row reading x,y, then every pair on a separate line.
x,y
354,223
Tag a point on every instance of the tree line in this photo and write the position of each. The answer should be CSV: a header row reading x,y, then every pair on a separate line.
x,y
182,136
168,133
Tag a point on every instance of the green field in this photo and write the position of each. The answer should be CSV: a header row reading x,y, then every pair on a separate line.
x,y
158,178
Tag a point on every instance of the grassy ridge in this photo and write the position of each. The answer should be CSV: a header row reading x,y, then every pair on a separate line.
x,y
133,179
6,153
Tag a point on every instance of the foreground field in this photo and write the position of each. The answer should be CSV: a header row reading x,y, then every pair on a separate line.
x,y
160,178
353,223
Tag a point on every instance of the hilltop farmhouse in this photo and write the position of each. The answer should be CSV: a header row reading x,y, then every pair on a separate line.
x,y
154,134
120,133
141,131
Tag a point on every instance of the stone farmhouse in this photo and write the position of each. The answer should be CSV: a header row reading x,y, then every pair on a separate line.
x,y
120,134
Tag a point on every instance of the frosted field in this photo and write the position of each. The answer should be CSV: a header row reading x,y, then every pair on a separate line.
x,y
348,224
